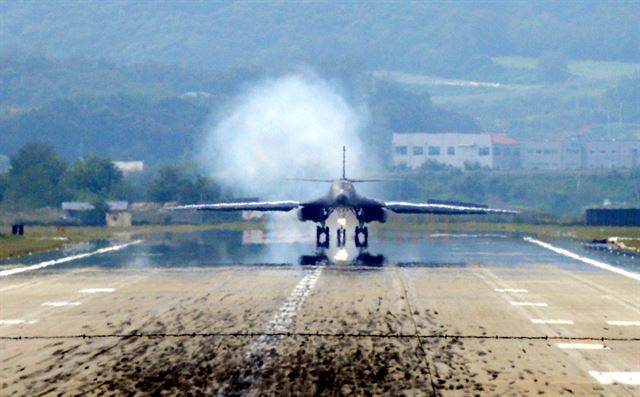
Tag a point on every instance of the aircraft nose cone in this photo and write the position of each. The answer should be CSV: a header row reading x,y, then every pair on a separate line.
x,y
341,198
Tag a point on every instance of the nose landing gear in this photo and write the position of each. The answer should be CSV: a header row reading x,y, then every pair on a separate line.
x,y
362,237
322,236
341,235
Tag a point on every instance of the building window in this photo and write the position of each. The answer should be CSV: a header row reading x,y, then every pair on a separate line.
x,y
483,151
418,150
434,150
451,151
401,150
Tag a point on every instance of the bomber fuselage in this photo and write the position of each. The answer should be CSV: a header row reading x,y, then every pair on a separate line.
x,y
342,196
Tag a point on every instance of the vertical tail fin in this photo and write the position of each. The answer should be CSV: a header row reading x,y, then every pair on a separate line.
x,y
344,162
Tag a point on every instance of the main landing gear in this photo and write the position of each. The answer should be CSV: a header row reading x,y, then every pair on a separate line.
x,y
362,237
322,236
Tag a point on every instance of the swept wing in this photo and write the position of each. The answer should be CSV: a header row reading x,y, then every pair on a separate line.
x,y
442,207
286,205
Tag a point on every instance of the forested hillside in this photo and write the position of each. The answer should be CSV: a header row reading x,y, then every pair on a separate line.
x,y
443,37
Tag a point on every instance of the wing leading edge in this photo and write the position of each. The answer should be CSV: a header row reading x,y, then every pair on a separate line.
x,y
402,207
245,206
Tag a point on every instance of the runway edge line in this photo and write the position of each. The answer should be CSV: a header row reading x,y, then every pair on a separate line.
x,y
592,262
10,272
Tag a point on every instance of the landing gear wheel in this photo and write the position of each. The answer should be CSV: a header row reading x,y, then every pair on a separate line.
x,y
341,235
322,236
362,237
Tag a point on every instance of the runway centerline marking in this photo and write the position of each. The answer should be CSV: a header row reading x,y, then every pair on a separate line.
x,y
60,304
17,322
281,323
538,304
512,290
598,264
541,321
96,290
52,262
624,323
623,377
582,346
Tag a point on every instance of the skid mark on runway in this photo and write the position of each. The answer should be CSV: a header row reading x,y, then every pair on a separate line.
x,y
567,253
281,323
42,265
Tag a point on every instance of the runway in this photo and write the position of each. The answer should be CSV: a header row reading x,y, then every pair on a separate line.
x,y
224,313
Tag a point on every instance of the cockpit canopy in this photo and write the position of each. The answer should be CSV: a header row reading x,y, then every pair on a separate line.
x,y
341,185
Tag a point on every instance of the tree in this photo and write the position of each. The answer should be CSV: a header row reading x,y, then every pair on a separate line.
x,y
96,216
93,177
552,67
35,176
174,184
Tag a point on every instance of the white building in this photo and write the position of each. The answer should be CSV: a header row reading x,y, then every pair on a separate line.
x,y
412,150
128,167
580,154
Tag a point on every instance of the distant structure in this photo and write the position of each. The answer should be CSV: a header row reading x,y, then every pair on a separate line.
x,y
118,215
573,154
498,151
413,150
5,164
613,217
129,167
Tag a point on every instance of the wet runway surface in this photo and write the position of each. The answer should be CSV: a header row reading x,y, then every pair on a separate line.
x,y
232,313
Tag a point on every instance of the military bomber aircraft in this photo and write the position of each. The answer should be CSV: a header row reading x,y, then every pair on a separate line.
x,y
343,198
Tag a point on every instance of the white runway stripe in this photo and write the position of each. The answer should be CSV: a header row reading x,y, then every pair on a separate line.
x,y
95,290
513,290
41,265
601,265
540,321
539,304
582,346
17,322
624,323
624,378
60,304
282,322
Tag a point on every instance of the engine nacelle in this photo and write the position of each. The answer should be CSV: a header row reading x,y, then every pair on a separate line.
x,y
372,214
317,214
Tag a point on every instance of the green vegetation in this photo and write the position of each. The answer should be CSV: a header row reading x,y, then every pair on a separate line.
x,y
582,233
47,238
609,70
39,178
450,38
561,194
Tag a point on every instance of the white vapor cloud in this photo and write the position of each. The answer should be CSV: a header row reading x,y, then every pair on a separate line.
x,y
292,126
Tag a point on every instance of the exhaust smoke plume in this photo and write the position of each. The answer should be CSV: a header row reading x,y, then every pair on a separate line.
x,y
293,126
290,127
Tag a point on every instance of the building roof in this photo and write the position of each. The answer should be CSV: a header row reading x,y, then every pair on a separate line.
x,y
503,139
76,206
129,166
85,206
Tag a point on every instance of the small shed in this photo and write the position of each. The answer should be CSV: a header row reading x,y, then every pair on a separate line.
x,y
118,215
